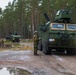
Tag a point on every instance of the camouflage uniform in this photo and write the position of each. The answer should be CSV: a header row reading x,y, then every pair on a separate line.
x,y
2,43
36,41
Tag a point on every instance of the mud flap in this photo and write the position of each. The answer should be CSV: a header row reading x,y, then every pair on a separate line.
x,y
40,46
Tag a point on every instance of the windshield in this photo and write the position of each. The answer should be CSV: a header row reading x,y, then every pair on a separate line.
x,y
71,26
57,26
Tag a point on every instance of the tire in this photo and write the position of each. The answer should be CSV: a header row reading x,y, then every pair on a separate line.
x,y
71,51
46,49
40,46
13,41
17,40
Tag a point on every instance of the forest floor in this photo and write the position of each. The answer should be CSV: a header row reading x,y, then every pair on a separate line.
x,y
22,57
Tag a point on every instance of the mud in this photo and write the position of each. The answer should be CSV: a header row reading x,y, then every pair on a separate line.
x,y
55,64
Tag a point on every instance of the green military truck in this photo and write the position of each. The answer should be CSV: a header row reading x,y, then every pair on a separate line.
x,y
59,35
14,37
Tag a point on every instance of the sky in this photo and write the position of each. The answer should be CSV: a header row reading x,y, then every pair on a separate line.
x,y
4,3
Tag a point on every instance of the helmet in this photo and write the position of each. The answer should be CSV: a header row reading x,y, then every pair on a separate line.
x,y
35,32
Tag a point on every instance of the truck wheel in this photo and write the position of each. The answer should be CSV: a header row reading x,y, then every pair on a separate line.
x,y
13,40
17,40
46,49
40,46
71,51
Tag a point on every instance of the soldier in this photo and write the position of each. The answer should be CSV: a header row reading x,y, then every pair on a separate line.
x,y
36,41
2,43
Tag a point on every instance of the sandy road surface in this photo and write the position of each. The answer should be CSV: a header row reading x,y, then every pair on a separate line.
x,y
55,64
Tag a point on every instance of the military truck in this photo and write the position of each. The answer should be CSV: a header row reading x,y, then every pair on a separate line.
x,y
59,35
14,37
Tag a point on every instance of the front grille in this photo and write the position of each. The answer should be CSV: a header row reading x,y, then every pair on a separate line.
x,y
65,42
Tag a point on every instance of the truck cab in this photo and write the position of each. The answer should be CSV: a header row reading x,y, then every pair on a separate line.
x,y
58,36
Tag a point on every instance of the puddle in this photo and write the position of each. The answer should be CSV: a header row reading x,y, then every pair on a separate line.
x,y
13,71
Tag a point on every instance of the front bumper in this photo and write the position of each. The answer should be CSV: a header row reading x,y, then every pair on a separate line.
x,y
59,43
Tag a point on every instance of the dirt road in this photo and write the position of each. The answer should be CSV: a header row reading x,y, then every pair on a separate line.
x,y
55,64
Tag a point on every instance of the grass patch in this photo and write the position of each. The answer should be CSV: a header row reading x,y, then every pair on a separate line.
x,y
26,40
8,45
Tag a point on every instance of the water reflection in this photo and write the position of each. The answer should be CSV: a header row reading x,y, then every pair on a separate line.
x,y
13,71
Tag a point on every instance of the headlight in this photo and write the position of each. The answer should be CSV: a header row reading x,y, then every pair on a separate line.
x,y
51,39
